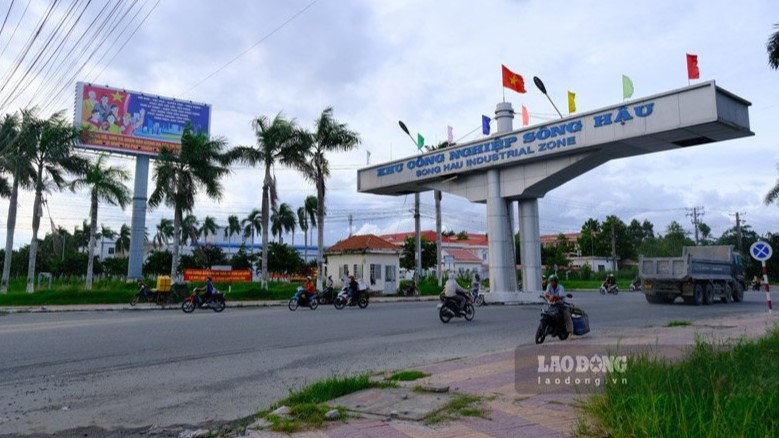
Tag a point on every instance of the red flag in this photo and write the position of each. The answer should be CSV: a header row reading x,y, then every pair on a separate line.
x,y
513,81
525,116
692,67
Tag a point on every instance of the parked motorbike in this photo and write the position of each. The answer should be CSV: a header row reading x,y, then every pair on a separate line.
x,y
342,300
300,299
608,289
448,308
326,296
635,286
216,302
478,299
553,324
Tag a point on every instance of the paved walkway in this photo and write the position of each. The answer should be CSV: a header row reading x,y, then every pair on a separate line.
x,y
503,379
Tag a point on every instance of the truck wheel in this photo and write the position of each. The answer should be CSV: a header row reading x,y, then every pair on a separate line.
x,y
697,295
708,294
652,299
669,298
728,297
738,294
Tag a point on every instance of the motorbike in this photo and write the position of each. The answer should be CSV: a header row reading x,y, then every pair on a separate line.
x,y
216,302
608,289
756,286
300,299
326,296
553,324
635,286
448,308
478,299
342,300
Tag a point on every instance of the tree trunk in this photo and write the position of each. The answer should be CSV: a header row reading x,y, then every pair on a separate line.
x,y
320,229
305,246
9,236
36,223
265,220
176,241
92,240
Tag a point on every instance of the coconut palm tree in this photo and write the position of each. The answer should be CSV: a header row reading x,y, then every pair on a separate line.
x,y
178,179
50,142
329,136
772,46
190,230
279,141
303,224
309,207
233,227
251,225
122,244
209,227
107,184
16,165
283,220
164,232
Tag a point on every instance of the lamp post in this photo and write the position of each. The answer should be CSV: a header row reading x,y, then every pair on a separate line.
x,y
417,222
540,86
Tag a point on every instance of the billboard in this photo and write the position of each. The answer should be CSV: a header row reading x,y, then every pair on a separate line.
x,y
219,276
135,123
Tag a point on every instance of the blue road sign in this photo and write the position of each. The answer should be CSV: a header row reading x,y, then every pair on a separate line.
x,y
760,251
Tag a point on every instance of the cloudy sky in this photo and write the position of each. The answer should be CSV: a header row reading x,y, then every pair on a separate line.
x,y
431,64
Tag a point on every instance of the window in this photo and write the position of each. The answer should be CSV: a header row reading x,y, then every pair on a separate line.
x,y
390,274
111,251
375,273
357,271
484,256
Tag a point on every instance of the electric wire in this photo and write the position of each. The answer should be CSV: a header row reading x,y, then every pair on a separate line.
x,y
5,20
21,19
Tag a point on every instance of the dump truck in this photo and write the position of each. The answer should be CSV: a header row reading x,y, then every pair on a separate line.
x,y
701,275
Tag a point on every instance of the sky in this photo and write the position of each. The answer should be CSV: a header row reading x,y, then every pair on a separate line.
x,y
431,64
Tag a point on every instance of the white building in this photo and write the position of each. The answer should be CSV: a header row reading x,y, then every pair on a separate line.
x,y
369,258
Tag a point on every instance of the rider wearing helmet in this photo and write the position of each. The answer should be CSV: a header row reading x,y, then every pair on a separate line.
x,y
354,288
610,283
453,291
309,290
556,293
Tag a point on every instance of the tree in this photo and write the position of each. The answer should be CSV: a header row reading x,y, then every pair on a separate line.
x,y
283,220
122,244
164,233
106,184
49,145
310,206
251,225
462,235
190,230
329,136
278,141
177,179
283,259
772,194
209,227
772,46
407,259
303,225
233,227
705,233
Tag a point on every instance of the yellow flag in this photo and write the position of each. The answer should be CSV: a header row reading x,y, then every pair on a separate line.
x,y
571,102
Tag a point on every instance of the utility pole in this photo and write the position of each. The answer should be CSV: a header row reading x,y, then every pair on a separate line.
x,y
418,229
738,230
613,250
438,271
696,213
350,225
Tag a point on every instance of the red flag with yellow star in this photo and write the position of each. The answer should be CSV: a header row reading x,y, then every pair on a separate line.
x,y
513,81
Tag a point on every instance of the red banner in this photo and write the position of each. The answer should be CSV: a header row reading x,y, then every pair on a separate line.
x,y
234,276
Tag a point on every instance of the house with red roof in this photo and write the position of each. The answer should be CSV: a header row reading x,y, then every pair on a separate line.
x,y
465,253
370,258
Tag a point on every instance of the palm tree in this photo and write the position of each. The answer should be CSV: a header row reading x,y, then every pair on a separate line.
x,y
283,220
329,136
251,225
164,232
278,141
14,163
303,224
199,166
233,227
122,244
190,230
106,234
309,207
106,184
50,142
772,46
209,227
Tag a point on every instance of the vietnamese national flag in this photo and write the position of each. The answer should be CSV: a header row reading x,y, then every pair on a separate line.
x,y
525,116
513,81
692,67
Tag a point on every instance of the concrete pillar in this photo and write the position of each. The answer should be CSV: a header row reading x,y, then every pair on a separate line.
x,y
138,223
530,244
512,252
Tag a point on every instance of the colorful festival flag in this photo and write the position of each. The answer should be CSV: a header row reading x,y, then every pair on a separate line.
x,y
420,141
485,125
571,102
525,116
513,81
449,134
627,87
692,67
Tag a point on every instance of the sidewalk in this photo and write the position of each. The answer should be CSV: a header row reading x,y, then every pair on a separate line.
x,y
149,306
496,377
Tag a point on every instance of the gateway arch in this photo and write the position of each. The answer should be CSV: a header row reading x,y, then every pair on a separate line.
x,y
523,165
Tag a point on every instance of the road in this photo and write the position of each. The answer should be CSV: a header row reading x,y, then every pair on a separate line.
x,y
60,371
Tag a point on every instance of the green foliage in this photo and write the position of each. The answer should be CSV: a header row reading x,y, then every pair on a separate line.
x,y
585,272
462,405
407,376
157,263
678,323
283,259
243,260
116,266
407,258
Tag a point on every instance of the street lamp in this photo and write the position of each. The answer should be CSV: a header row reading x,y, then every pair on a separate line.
x,y
540,86
417,222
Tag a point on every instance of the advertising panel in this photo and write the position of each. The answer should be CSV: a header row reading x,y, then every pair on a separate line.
x,y
219,276
135,123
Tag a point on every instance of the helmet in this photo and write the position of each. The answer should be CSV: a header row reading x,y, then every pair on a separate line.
x,y
308,277
553,277
611,275
543,277
352,277
209,278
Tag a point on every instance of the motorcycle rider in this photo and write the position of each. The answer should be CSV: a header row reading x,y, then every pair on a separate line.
x,y
556,293
209,288
610,283
309,290
354,289
455,291
544,282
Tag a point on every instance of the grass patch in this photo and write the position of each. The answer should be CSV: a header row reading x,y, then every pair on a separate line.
x,y
678,323
407,376
713,392
462,405
307,406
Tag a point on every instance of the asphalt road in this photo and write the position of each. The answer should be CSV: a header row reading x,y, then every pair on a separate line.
x,y
60,371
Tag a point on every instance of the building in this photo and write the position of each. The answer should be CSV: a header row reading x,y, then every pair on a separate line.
x,y
463,253
369,258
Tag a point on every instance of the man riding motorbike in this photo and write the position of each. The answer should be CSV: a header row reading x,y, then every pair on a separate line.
x,y
354,289
309,290
209,288
556,294
455,291
610,283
